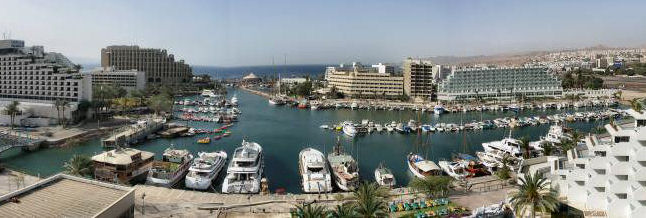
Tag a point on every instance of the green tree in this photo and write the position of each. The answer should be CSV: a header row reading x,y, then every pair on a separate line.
x,y
636,105
79,165
344,210
524,145
310,211
160,103
432,186
12,110
60,105
370,200
548,148
534,194
504,172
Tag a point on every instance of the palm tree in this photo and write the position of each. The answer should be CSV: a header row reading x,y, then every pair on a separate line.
x,y
12,110
309,211
548,148
433,186
534,194
61,104
79,165
370,200
524,144
636,105
344,210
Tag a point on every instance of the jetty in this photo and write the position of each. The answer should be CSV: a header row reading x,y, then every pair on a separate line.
x,y
12,139
134,133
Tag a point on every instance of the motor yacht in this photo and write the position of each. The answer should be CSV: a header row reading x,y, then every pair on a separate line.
x,y
245,169
171,169
205,169
315,172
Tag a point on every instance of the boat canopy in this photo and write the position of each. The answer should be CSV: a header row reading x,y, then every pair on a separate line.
x,y
427,166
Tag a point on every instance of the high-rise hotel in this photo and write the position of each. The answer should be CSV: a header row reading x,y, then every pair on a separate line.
x,y
418,78
37,79
496,83
159,66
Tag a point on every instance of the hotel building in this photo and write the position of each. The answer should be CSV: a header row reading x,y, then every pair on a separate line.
x,y
606,177
160,67
418,78
486,83
37,79
361,81
128,79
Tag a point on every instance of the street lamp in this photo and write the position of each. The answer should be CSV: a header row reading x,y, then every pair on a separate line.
x,y
143,204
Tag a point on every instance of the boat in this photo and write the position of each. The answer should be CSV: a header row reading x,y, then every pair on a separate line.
x,y
245,170
353,105
345,169
171,169
315,172
349,129
421,167
493,160
438,109
206,140
453,169
507,145
234,101
208,93
384,176
205,169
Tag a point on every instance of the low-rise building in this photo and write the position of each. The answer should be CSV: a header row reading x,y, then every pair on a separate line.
x,y
122,165
128,79
499,83
358,81
69,196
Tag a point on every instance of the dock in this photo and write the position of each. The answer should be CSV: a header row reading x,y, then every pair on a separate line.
x,y
134,133
13,139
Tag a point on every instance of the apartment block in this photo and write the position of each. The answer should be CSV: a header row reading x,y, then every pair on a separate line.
x,y
128,79
367,82
159,66
418,78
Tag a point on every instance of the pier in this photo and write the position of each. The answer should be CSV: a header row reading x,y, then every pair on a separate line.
x,y
12,139
134,133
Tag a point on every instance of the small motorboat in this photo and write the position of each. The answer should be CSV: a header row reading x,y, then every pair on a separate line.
x,y
218,137
384,176
206,140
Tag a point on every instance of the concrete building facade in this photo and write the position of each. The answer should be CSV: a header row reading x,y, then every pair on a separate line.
x,y
159,66
37,79
499,83
128,79
418,78
366,82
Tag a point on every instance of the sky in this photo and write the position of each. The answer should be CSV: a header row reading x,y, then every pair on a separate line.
x,y
253,32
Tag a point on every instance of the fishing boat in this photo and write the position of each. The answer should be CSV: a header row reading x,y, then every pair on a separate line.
x,y
349,129
205,169
206,140
384,176
315,172
171,169
421,167
245,170
344,168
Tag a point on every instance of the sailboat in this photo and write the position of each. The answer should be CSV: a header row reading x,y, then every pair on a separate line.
x,y
419,166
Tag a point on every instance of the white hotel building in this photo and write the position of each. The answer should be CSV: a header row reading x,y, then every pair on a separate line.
x,y
607,176
36,79
499,83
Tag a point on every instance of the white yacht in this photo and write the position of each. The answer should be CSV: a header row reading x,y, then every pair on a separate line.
x,y
555,135
171,169
344,169
507,145
245,170
384,176
234,101
454,169
205,169
493,160
421,167
208,93
349,129
315,172
353,105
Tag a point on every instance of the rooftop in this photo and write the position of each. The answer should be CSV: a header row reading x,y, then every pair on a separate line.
x,y
62,196
121,157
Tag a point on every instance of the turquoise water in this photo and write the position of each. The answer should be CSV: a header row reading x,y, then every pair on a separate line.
x,y
284,131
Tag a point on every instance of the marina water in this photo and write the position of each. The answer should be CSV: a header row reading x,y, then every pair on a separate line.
x,y
283,131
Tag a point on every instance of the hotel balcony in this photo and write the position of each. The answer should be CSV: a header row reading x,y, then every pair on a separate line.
x,y
579,176
621,168
598,181
619,187
641,155
640,176
639,194
599,163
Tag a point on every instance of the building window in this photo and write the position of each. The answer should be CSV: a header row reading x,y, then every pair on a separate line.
x,y
622,177
622,195
619,139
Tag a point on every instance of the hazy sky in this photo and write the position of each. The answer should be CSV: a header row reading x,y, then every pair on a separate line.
x,y
240,32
